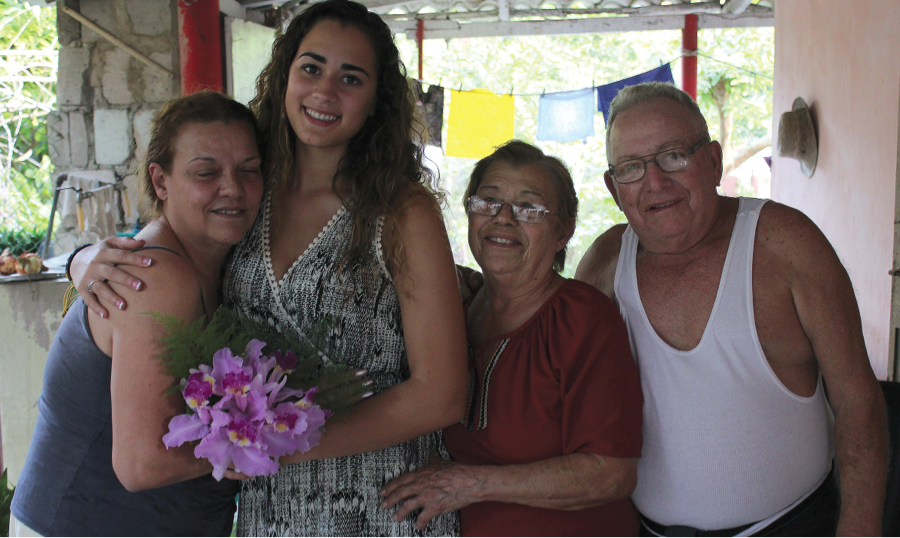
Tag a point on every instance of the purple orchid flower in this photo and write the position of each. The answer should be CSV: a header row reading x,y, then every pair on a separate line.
x,y
238,443
233,379
285,363
197,391
293,427
308,402
284,430
251,424
253,351
184,428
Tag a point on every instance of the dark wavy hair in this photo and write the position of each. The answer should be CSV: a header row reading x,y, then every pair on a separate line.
x,y
518,154
382,168
200,107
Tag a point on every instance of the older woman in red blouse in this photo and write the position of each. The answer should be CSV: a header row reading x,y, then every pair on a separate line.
x,y
552,431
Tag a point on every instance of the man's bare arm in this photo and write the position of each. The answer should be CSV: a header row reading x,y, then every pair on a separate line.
x,y
828,312
598,265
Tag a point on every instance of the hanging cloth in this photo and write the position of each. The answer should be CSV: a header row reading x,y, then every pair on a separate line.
x,y
479,121
430,105
606,93
566,116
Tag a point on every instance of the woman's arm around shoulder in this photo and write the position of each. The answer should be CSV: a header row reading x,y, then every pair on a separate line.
x,y
98,266
598,264
141,409
434,332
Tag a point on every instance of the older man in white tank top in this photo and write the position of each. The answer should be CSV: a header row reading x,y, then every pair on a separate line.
x,y
737,310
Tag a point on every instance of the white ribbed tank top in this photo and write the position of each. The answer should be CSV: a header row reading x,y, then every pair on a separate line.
x,y
725,443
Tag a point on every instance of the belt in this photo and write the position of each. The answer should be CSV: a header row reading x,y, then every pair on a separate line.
x,y
682,530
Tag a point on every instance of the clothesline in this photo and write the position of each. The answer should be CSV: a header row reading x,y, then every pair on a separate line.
x,y
732,65
695,53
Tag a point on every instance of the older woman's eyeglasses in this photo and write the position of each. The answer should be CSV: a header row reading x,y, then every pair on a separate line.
x,y
671,160
489,207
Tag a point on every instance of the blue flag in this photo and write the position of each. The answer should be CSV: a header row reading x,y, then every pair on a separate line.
x,y
566,116
606,93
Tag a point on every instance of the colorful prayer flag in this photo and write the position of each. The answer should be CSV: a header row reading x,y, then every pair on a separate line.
x,y
479,121
566,116
607,92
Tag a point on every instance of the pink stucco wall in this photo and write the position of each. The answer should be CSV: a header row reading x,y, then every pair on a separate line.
x,y
843,58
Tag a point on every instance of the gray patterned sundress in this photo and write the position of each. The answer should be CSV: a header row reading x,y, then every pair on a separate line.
x,y
333,497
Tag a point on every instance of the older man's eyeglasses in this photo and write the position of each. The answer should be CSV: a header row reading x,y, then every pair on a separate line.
x,y
490,207
671,160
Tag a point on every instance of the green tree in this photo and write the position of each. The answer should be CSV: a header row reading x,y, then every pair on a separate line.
x,y
28,66
530,66
736,89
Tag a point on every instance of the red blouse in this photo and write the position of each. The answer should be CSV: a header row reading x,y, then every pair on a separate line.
x,y
564,382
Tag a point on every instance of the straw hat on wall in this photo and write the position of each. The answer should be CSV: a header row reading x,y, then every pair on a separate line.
x,y
797,137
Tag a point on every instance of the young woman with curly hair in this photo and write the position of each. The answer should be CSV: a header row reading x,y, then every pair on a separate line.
x,y
350,227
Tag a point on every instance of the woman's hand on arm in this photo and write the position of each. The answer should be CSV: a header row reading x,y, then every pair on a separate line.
x,y
571,482
470,281
442,487
98,263
141,406
434,332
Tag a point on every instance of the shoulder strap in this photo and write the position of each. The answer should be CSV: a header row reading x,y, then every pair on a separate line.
x,y
158,247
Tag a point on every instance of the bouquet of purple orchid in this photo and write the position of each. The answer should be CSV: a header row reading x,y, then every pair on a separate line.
x,y
240,409
240,413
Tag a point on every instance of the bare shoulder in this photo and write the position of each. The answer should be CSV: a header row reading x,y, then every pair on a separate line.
x,y
788,237
418,222
170,285
420,207
416,247
598,265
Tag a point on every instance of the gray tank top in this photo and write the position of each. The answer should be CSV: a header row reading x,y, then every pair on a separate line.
x,y
68,486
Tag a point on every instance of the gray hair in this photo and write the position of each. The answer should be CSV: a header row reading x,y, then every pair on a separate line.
x,y
517,154
632,96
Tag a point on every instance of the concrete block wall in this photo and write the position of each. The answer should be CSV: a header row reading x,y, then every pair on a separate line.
x,y
105,96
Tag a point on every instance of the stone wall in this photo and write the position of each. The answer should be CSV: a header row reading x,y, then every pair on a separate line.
x,y
106,97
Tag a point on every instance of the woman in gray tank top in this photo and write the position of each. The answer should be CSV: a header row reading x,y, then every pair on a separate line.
x,y
97,464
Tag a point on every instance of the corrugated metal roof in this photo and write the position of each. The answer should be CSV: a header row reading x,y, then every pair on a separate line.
x,y
471,18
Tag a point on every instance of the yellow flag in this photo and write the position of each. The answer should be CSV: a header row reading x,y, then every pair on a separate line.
x,y
479,121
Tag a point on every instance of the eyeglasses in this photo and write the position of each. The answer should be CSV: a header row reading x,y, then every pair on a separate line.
x,y
491,208
671,160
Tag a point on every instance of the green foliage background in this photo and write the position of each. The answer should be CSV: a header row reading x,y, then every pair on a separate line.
x,y
25,185
530,66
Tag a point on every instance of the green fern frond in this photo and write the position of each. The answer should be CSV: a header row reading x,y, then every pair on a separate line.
x,y
189,345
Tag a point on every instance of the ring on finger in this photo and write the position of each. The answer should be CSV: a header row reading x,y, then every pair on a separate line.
x,y
91,284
